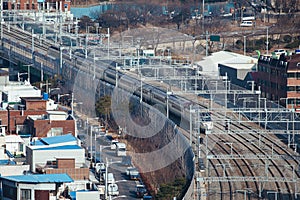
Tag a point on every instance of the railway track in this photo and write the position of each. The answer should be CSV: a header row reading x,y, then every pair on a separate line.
x,y
17,35
254,149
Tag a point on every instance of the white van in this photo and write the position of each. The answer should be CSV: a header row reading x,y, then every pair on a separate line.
x,y
113,189
246,24
110,178
121,149
113,144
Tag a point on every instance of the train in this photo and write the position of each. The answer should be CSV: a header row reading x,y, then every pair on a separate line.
x,y
153,95
106,70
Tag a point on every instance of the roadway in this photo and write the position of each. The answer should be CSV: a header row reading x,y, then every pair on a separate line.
x,y
126,187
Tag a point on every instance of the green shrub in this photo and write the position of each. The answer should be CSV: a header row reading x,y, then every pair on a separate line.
x,y
287,39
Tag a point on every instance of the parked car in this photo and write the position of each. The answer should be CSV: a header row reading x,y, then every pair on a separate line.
x,y
246,24
141,191
280,51
113,189
110,178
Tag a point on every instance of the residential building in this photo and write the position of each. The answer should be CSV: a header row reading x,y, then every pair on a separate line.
x,y
31,117
52,123
48,5
14,144
34,186
10,167
58,154
12,92
279,79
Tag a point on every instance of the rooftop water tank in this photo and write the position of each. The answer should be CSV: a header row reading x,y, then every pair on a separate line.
x,y
45,96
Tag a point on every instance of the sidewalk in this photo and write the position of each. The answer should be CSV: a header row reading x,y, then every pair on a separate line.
x,y
91,175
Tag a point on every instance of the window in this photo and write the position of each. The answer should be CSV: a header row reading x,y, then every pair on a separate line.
x,y
25,194
291,88
291,75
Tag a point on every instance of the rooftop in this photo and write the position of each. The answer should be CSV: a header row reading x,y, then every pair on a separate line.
x,y
39,178
65,147
55,140
237,61
32,98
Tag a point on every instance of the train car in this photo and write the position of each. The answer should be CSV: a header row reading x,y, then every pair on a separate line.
x,y
205,121
179,106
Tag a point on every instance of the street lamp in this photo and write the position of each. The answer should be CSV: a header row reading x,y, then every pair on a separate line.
x,y
91,132
168,94
267,43
28,70
47,85
106,169
267,47
244,45
20,74
192,111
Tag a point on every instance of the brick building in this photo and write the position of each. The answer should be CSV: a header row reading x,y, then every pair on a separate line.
x,y
279,79
53,123
31,117
49,5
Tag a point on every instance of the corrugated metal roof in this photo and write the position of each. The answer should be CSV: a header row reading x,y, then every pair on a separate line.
x,y
39,178
58,139
36,143
7,162
65,147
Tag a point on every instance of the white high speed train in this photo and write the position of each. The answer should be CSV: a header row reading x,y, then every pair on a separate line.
x,y
105,70
177,105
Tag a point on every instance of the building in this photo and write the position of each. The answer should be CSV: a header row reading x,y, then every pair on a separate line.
x,y
52,123
48,5
59,154
14,144
279,79
34,186
8,166
240,69
12,92
31,117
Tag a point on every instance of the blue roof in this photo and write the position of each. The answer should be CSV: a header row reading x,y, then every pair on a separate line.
x,y
65,147
39,178
9,154
73,195
55,140
7,162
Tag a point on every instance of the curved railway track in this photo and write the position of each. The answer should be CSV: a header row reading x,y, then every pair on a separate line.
x,y
254,149
43,46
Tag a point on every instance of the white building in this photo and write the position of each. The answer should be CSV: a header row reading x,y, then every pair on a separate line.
x,y
47,150
15,144
14,90
210,64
